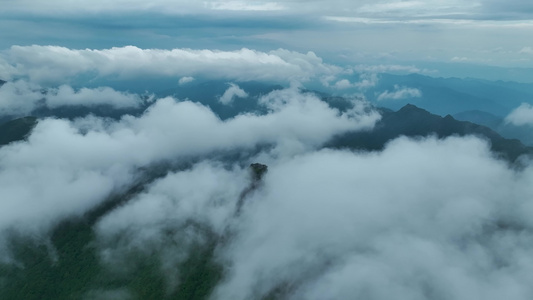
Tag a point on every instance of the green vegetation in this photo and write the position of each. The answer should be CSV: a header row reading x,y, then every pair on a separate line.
x,y
68,267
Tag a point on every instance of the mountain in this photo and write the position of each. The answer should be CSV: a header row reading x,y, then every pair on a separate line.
x,y
16,130
413,121
453,95
505,129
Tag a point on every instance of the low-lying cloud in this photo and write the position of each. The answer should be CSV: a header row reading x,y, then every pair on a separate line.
x,y
231,93
20,98
426,218
522,115
67,167
400,92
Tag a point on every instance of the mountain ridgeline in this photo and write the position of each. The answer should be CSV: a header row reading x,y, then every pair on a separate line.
x,y
412,121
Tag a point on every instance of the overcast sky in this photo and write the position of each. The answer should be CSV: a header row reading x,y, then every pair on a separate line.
x,y
490,32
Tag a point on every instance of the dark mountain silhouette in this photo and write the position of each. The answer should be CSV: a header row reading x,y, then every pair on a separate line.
x,y
16,130
416,122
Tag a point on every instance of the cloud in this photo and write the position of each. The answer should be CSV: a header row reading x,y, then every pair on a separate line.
x,y
324,226
526,50
343,84
67,96
400,92
20,98
232,92
186,79
246,6
459,59
56,171
451,222
366,80
522,115
56,65
391,68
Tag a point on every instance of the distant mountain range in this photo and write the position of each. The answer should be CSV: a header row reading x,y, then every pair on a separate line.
x,y
412,121
451,96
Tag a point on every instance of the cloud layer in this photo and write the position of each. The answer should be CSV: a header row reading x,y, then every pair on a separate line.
x,y
20,98
426,218
67,167
57,65
232,92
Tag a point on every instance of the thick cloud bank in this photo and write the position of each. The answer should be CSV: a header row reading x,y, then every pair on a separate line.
x,y
57,65
424,219
66,168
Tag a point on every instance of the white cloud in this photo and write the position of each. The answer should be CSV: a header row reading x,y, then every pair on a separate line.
x,y
522,115
56,171
186,79
366,80
526,50
67,96
452,220
56,65
232,92
20,98
325,225
400,92
391,68
343,84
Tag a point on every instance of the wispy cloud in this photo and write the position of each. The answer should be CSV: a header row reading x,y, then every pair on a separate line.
x,y
232,92
526,50
400,92
20,98
186,79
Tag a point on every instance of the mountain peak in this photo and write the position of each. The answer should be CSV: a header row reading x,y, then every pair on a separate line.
x,y
411,108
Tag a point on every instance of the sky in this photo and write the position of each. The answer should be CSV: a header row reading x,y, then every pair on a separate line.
x,y
427,33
